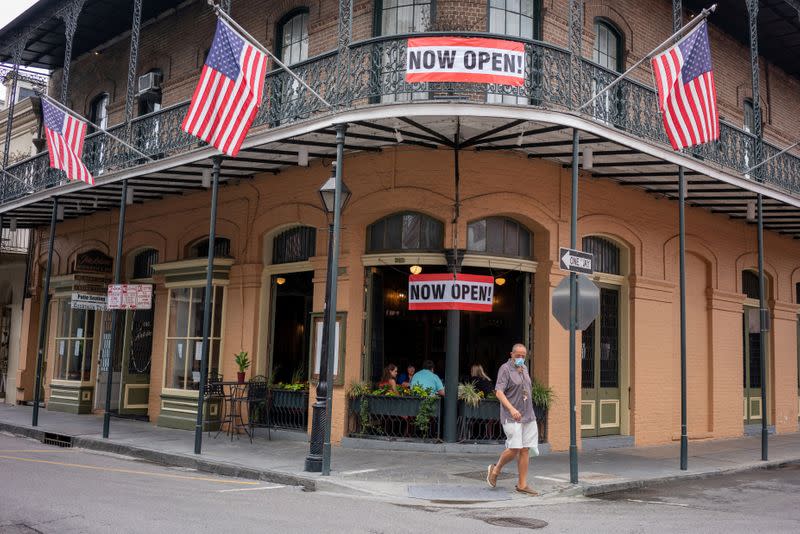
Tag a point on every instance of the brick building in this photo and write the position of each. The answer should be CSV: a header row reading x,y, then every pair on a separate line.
x,y
476,172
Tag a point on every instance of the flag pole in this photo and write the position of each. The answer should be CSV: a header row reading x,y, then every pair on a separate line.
x,y
221,14
784,151
657,50
82,118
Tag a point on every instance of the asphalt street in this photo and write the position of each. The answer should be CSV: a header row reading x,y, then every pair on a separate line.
x,y
60,490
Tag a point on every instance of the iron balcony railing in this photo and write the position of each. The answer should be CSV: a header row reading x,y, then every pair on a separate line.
x,y
14,241
373,71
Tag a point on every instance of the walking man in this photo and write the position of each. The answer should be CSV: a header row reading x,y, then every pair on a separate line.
x,y
513,390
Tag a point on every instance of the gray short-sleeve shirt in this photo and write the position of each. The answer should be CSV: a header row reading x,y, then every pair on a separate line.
x,y
516,387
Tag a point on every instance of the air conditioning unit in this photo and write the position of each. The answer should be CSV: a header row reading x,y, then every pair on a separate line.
x,y
149,83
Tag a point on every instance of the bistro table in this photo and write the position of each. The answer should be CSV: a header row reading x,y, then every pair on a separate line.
x,y
233,393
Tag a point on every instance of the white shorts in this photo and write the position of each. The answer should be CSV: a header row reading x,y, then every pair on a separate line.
x,y
521,435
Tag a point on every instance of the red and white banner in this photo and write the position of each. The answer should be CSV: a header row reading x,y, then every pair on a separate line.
x,y
130,296
465,59
441,291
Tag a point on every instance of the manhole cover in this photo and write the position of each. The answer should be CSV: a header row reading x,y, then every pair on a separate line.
x,y
515,522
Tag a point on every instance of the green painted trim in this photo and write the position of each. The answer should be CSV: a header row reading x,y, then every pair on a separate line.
x,y
71,399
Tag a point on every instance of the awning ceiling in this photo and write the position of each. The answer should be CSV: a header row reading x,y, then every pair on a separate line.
x,y
612,161
778,27
99,22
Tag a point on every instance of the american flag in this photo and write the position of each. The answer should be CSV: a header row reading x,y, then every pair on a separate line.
x,y
687,96
65,135
229,92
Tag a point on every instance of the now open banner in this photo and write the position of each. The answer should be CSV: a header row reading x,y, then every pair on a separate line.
x,y
442,291
465,59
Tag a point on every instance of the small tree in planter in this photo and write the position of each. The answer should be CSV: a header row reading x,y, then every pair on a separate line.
x,y
542,397
243,362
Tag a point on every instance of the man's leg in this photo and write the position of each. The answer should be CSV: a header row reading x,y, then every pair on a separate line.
x,y
522,465
505,457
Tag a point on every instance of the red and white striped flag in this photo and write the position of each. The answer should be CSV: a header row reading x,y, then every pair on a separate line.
x,y
687,96
229,92
65,135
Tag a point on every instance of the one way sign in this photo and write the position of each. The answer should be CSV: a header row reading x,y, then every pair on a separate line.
x,y
575,261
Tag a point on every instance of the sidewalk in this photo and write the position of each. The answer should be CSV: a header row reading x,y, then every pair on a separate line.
x,y
403,475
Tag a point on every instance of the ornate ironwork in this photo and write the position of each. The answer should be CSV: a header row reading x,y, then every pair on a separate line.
x,y
70,14
575,31
133,60
677,15
16,59
758,153
377,74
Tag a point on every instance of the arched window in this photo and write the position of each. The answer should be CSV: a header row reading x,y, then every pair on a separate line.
x,y
292,37
393,17
98,111
750,284
294,244
405,231
143,263
222,248
607,50
749,115
499,236
517,18
606,254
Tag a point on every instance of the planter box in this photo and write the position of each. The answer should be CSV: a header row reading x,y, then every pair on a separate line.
x,y
398,406
487,409
289,400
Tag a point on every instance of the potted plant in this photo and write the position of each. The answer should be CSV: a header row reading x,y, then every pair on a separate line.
x,y
473,404
243,362
542,397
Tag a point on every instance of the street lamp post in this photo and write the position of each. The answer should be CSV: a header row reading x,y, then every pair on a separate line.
x,y
335,196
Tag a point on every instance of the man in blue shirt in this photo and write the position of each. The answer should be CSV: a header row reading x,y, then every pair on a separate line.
x,y
427,379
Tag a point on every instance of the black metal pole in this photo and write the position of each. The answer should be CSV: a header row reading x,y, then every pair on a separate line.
x,y
45,301
763,328
573,316
682,261
333,273
451,376
207,298
114,313
314,458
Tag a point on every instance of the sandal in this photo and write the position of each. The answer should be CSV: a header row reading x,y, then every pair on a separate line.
x,y
491,476
526,490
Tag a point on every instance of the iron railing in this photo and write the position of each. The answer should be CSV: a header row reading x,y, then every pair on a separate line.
x,y
395,417
376,74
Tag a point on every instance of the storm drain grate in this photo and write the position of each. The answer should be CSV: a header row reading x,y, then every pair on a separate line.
x,y
59,440
515,522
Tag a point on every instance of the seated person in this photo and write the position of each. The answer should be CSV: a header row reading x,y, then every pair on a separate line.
x,y
481,380
389,378
427,379
405,378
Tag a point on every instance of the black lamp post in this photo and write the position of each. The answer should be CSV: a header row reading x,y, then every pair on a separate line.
x,y
335,196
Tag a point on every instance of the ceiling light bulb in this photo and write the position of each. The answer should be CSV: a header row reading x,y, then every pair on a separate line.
x,y
500,281
302,156
415,269
398,136
280,280
588,158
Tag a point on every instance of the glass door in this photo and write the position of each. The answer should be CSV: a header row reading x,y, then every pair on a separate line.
x,y
600,369
136,361
751,363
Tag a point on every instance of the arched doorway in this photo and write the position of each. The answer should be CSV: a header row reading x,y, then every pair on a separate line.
x,y
602,344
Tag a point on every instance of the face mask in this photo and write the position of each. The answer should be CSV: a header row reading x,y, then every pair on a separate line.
x,y
519,362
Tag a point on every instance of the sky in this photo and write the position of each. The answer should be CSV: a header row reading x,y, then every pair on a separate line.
x,y
12,8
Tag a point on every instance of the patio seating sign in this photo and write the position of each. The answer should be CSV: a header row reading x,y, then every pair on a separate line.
x,y
443,291
130,296
465,59
87,301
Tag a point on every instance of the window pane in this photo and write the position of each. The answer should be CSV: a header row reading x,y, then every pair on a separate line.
x,y
74,359
78,323
179,312
512,5
527,8
494,236
196,312
498,3
217,312
376,235
422,18
511,239
524,243
431,234
405,19
512,24
62,347
476,236
64,312
193,380
87,360
527,28
394,231
176,362
410,232
213,362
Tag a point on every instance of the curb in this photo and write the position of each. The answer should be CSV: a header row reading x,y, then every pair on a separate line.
x,y
616,487
172,459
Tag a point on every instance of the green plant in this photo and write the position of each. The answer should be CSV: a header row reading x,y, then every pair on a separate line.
x,y
363,415
542,395
298,386
423,418
299,376
359,389
469,394
242,361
